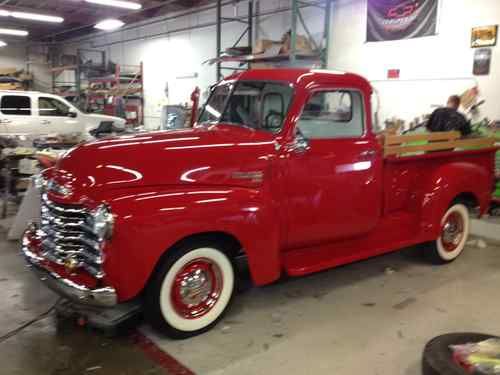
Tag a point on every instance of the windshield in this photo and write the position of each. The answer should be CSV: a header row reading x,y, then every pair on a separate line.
x,y
254,104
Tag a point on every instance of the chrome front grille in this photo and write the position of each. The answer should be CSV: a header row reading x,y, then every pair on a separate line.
x,y
67,238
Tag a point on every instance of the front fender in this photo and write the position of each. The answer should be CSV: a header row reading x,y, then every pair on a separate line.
x,y
444,185
148,223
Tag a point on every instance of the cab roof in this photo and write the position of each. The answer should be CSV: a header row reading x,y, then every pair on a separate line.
x,y
304,77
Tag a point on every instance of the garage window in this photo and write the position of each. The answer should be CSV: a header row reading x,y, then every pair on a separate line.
x,y
52,107
333,114
16,105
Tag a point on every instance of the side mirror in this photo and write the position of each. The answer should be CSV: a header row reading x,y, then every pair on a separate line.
x,y
72,114
300,144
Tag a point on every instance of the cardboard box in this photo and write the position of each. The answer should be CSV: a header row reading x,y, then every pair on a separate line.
x,y
301,46
262,45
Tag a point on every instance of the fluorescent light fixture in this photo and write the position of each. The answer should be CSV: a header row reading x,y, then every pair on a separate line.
x,y
14,32
109,24
2,44
31,16
117,4
36,17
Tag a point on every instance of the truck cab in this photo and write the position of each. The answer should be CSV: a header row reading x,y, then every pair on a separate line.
x,y
282,166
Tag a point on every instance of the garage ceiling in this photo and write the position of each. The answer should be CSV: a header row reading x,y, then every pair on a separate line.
x,y
80,16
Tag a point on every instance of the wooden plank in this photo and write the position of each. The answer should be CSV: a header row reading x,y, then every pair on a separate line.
x,y
441,146
62,68
437,136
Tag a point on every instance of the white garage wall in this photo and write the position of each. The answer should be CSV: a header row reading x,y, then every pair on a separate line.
x,y
180,54
432,68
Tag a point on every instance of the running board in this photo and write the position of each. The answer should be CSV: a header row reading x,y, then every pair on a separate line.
x,y
302,261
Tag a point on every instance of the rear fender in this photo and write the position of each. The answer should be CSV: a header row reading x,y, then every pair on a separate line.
x,y
150,223
446,184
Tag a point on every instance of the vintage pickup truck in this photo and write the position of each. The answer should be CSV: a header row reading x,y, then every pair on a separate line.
x,y
283,167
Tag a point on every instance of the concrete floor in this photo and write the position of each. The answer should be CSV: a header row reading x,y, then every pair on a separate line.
x,y
370,317
48,348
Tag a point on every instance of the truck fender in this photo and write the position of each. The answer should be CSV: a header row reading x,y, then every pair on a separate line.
x,y
446,184
149,224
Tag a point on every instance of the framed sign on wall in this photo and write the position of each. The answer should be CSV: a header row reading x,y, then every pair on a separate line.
x,y
484,36
482,62
396,19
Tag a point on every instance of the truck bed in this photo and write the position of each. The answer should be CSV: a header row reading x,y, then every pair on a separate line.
x,y
411,159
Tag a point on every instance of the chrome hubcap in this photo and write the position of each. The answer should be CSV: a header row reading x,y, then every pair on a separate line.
x,y
452,232
196,289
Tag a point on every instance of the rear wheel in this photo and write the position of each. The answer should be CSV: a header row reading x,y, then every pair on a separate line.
x,y
455,226
191,290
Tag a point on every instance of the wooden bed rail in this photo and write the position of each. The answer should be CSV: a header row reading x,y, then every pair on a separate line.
x,y
439,141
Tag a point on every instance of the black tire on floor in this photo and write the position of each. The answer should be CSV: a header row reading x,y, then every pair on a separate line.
x,y
196,276
437,358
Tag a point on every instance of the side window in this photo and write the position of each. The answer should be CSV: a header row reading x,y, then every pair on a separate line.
x,y
333,114
52,107
16,105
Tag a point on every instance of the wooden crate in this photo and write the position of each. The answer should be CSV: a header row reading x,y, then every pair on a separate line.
x,y
397,145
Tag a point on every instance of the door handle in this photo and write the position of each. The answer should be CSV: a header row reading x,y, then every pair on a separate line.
x,y
368,154
5,121
45,122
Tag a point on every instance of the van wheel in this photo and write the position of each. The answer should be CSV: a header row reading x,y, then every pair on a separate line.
x,y
191,290
455,226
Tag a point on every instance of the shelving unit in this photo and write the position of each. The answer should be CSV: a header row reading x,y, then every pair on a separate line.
x,y
99,86
318,57
81,70
120,94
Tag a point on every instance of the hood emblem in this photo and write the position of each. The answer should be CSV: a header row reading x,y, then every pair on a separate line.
x,y
58,189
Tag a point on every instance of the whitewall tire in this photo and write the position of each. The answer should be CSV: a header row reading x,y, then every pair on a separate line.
x,y
455,228
191,291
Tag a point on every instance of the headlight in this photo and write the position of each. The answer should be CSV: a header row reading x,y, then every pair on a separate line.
x,y
40,182
102,222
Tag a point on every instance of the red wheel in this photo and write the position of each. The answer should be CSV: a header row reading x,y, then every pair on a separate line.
x,y
191,291
455,226
197,288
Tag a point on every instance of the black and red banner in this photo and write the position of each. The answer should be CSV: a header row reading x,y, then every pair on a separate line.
x,y
401,19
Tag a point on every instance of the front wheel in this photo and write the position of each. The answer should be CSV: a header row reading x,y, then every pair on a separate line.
x,y
455,226
191,290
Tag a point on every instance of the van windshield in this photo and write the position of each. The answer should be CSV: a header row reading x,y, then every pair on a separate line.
x,y
252,104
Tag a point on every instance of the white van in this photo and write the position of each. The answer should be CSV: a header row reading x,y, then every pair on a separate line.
x,y
33,113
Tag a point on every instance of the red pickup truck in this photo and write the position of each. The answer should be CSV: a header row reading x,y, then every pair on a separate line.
x,y
283,166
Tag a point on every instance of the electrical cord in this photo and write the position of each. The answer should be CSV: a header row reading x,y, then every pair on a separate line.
x,y
42,316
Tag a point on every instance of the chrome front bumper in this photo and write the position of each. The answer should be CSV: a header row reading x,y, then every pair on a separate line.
x,y
100,297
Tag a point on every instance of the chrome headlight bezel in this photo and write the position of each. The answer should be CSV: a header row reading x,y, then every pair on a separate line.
x,y
102,222
40,182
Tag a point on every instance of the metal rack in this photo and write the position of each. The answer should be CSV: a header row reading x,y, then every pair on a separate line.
x,y
81,71
248,32
320,51
127,83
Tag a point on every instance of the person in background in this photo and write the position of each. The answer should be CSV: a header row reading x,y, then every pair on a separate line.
x,y
449,118
454,102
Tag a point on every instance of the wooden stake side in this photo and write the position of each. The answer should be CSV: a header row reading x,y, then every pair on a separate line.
x,y
437,136
448,145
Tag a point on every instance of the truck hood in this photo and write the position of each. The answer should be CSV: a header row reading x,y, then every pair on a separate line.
x,y
218,155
